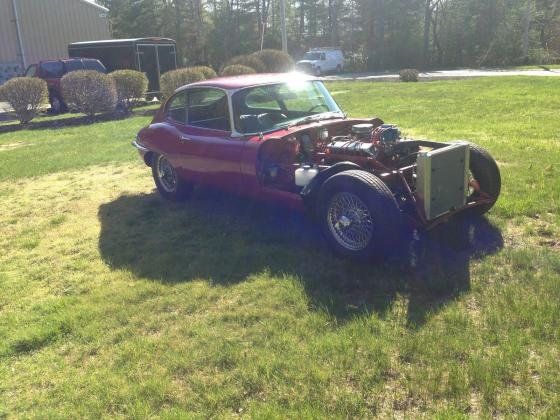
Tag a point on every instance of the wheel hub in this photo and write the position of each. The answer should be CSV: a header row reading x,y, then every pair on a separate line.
x,y
344,221
349,221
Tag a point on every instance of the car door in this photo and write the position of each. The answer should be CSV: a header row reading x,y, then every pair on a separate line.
x,y
206,151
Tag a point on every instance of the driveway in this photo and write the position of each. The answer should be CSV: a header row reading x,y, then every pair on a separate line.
x,y
444,74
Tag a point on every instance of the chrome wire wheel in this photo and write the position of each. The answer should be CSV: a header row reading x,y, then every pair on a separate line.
x,y
350,221
166,174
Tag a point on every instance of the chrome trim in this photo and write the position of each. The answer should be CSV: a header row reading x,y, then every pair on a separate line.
x,y
139,146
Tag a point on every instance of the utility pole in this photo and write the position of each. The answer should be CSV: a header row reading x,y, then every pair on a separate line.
x,y
19,36
527,28
283,24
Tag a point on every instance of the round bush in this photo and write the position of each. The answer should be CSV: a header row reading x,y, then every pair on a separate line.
x,y
174,79
251,61
237,70
25,95
131,86
89,91
208,72
409,75
275,61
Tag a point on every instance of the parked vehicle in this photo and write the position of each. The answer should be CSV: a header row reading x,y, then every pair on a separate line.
x,y
321,60
51,71
283,139
153,56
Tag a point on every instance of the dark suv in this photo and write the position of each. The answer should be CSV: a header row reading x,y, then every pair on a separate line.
x,y
51,71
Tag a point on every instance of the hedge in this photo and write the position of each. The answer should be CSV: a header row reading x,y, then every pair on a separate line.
x,y
251,61
25,95
131,87
236,70
275,61
89,91
174,79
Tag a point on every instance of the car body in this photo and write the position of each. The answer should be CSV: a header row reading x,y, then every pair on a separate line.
x,y
52,71
283,139
321,60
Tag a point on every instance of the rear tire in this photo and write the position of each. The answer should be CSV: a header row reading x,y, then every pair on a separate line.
x,y
359,215
169,184
57,104
485,171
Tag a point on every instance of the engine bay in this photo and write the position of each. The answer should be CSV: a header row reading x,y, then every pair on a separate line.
x,y
371,144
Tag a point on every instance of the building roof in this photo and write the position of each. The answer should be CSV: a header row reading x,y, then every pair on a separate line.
x,y
94,4
152,40
238,82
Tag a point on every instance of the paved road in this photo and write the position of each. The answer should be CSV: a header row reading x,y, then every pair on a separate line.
x,y
444,74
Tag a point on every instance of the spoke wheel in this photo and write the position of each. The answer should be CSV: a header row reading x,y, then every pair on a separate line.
x,y
349,221
359,215
166,174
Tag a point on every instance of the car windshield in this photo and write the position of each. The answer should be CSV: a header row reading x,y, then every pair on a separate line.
x,y
265,108
312,56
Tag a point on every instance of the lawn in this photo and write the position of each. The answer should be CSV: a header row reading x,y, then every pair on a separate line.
x,y
115,302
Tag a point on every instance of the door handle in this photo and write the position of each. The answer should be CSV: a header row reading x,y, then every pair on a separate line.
x,y
184,138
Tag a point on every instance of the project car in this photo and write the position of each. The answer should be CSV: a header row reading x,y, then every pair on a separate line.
x,y
282,138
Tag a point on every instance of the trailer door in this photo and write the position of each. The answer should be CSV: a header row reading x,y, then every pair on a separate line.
x,y
147,57
167,58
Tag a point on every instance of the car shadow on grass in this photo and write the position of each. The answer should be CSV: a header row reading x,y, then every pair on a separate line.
x,y
225,239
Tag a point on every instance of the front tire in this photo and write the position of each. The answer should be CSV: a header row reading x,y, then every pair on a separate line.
x,y
359,215
169,184
485,175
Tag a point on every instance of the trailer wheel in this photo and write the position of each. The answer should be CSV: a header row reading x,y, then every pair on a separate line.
x,y
358,215
485,178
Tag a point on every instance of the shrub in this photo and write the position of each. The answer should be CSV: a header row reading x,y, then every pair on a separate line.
x,y
275,61
236,70
174,79
89,91
25,95
251,61
409,75
131,86
208,72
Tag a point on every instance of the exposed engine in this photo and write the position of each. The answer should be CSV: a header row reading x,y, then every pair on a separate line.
x,y
290,163
366,141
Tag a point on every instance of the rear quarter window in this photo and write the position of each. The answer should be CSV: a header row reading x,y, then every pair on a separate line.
x,y
31,71
94,65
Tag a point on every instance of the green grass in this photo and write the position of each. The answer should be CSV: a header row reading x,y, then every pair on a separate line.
x,y
115,302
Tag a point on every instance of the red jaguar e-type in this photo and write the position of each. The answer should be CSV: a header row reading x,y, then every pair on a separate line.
x,y
283,138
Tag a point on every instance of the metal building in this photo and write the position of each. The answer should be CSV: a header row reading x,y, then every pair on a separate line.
x,y
32,30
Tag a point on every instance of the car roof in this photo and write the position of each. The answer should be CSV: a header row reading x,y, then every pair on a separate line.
x,y
65,60
248,80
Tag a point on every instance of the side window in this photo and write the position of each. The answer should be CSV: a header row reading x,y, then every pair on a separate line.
x,y
73,65
323,57
260,98
90,64
177,108
52,69
208,108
